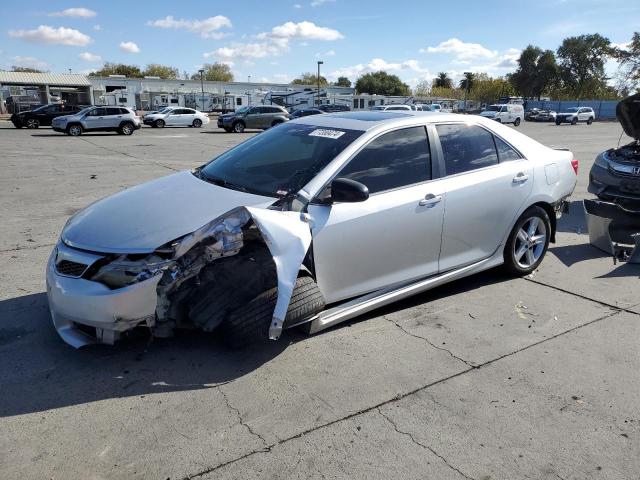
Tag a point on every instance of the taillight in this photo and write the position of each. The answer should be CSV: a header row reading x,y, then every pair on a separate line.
x,y
574,164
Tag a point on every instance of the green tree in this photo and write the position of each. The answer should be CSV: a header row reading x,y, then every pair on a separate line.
x,y
343,82
537,71
118,69
442,81
629,59
488,90
582,61
381,83
215,72
162,71
26,69
467,82
310,79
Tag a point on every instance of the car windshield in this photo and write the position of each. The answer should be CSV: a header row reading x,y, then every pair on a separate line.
x,y
85,110
279,161
493,108
243,109
165,110
572,109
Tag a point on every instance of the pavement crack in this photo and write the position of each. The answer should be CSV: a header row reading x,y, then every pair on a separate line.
x,y
241,420
438,347
113,150
17,248
426,447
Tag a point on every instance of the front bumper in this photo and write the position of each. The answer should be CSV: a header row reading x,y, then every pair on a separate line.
x,y
606,185
86,312
59,128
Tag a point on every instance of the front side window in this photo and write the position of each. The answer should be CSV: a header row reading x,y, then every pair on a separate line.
x,y
393,160
280,160
466,147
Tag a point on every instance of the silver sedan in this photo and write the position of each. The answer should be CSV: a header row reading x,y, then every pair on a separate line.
x,y
308,224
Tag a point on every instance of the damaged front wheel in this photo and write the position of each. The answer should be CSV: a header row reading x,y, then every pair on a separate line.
x,y
250,323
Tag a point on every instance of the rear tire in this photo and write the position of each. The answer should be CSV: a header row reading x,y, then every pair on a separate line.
x,y
516,122
238,127
590,121
74,130
528,242
126,129
159,123
197,123
250,323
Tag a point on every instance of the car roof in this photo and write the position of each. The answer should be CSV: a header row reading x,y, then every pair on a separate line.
x,y
370,119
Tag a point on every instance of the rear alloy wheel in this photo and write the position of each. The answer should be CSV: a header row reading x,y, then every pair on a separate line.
x,y
197,123
33,123
574,121
528,242
159,123
517,122
238,127
126,129
75,130
590,121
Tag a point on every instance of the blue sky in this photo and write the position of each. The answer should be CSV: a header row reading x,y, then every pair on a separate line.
x,y
277,40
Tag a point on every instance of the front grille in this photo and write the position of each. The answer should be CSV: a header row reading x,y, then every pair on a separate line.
x,y
71,269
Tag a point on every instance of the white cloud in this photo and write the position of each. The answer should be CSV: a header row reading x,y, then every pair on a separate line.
x,y
305,29
50,35
207,28
297,5
328,53
246,50
462,51
317,3
377,64
29,62
129,47
621,46
97,28
90,57
74,12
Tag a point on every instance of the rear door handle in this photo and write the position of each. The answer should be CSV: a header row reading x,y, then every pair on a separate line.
x,y
430,200
520,178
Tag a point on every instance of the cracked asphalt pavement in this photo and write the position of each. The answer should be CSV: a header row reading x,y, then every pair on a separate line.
x,y
486,378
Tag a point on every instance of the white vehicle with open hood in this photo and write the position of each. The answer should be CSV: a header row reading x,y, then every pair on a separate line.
x,y
309,224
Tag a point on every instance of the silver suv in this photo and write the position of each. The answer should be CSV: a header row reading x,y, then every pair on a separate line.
x,y
261,116
107,119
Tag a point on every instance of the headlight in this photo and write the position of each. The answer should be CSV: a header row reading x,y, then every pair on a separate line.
x,y
122,272
601,161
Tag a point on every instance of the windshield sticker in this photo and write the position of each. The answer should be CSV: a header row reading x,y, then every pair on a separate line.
x,y
320,132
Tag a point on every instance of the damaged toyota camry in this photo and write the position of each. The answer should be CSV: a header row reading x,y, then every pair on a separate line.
x,y
309,224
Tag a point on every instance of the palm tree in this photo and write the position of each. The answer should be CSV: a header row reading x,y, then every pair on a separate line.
x,y
467,82
442,80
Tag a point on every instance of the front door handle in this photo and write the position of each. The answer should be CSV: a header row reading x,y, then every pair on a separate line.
x,y
520,178
430,200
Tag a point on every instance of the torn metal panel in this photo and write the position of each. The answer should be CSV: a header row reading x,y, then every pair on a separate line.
x,y
288,236
611,227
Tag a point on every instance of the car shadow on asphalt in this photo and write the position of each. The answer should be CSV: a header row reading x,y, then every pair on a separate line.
x,y
40,372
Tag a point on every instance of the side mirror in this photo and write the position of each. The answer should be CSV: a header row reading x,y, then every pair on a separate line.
x,y
346,190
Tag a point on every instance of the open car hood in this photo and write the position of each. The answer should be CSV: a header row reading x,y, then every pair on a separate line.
x,y
628,114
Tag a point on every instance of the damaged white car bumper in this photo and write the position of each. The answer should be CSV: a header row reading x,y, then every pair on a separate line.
x,y
86,312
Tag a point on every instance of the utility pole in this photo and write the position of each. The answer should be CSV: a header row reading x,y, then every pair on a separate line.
x,y
320,62
202,86
248,90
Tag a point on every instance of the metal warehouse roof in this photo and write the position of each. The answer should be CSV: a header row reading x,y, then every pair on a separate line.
x,y
56,79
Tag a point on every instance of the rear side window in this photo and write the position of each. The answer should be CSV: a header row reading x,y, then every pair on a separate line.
x,y
395,159
273,110
466,148
112,111
124,111
505,152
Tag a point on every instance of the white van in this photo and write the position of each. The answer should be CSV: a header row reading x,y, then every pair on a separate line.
x,y
505,113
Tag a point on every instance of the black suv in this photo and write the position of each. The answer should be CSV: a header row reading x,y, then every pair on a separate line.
x,y
42,116
334,108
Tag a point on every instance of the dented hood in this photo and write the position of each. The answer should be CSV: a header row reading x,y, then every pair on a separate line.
x,y
628,114
145,217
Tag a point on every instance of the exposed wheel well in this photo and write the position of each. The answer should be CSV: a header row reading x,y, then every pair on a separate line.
x,y
552,218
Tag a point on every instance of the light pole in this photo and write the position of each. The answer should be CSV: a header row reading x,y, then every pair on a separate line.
x,y
320,62
248,90
466,89
202,86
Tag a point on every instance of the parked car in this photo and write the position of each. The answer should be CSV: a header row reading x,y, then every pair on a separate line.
x,y
531,114
262,116
546,116
505,113
305,112
615,174
287,228
176,117
42,116
98,119
334,107
576,114
392,107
